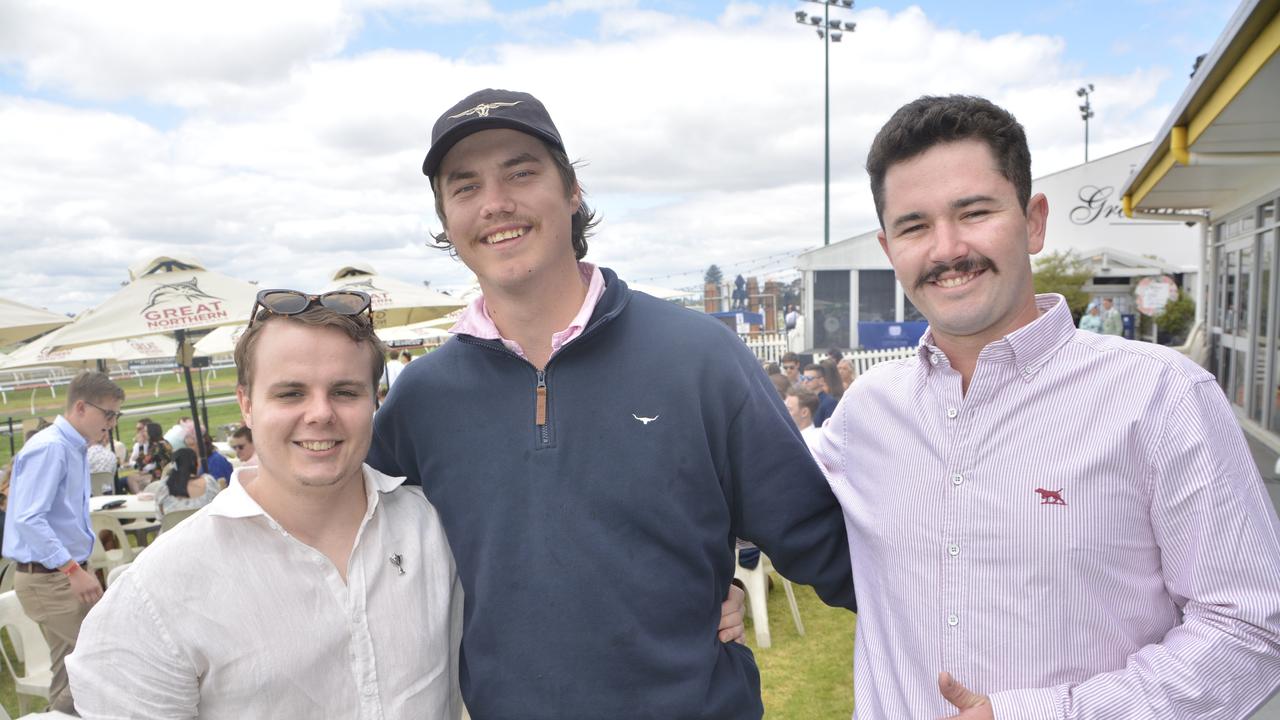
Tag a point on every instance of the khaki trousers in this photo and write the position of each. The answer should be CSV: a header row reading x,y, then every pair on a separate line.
x,y
47,599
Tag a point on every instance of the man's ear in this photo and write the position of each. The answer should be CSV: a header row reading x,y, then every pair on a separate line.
x,y
246,405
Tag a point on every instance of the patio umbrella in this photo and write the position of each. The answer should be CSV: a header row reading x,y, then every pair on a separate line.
x,y
166,295
418,331
661,293
19,322
395,302
47,351
221,341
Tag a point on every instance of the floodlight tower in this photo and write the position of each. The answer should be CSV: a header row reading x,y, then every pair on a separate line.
x,y
829,31
1086,112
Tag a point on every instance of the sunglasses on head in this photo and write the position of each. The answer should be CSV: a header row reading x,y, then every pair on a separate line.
x,y
294,302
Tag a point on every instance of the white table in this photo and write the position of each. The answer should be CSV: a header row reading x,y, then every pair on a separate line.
x,y
132,509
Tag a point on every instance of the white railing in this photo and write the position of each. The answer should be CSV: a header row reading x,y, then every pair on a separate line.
x,y
768,346
864,360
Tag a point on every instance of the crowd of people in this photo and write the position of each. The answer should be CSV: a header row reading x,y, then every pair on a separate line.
x,y
540,522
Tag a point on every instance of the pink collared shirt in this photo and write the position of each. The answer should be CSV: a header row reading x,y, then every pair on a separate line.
x,y
1082,534
475,320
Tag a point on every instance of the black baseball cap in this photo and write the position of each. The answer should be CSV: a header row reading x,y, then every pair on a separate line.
x,y
486,110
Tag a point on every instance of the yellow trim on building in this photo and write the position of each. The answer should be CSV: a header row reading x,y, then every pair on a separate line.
x,y
1254,58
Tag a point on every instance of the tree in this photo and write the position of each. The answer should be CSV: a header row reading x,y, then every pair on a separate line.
x,y
1064,273
714,275
1174,321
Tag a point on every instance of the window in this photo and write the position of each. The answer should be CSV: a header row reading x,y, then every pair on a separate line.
x,y
1243,287
831,312
876,295
909,311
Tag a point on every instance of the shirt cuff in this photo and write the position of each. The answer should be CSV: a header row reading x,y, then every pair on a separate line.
x,y
56,560
1026,704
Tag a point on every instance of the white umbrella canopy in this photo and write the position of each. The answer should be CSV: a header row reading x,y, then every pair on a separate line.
x,y
221,341
394,302
47,351
164,295
429,330
19,322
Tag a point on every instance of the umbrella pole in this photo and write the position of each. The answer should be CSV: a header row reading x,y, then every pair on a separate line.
x,y
184,361
204,402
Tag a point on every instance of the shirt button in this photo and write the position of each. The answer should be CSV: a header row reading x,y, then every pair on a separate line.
x,y
1027,370
933,359
952,620
952,412
953,549
957,479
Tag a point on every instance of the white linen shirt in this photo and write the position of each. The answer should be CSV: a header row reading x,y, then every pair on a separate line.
x,y
228,616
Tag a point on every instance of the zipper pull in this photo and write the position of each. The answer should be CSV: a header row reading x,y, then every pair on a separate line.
x,y
540,414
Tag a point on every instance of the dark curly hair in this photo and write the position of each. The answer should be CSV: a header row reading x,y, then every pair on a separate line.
x,y
584,220
932,120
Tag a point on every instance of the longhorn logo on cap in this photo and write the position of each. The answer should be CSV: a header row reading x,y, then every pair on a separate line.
x,y
482,110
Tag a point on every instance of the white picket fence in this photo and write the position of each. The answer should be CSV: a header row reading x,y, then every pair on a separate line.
x,y
864,360
771,346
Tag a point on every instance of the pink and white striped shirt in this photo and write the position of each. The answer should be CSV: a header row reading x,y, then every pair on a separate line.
x,y
1082,534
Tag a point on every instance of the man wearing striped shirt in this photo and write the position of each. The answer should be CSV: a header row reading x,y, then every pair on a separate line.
x,y
1044,523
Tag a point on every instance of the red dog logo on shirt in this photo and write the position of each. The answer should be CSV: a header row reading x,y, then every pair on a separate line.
x,y
1050,497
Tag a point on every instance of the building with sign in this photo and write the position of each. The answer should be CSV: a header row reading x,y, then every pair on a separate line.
x,y
1217,156
852,299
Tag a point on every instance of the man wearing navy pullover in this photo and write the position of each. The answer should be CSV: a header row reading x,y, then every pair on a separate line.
x,y
591,496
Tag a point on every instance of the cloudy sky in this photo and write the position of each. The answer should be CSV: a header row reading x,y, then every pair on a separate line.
x,y
276,141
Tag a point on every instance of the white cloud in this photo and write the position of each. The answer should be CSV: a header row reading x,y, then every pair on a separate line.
x,y
291,156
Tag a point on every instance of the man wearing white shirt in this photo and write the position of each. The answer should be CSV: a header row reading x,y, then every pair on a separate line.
x,y
803,405
321,588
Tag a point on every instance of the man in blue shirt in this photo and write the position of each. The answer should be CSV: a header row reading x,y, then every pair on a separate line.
x,y
47,530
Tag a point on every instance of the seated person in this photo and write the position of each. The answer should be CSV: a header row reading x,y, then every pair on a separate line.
x,y
213,463
155,455
182,487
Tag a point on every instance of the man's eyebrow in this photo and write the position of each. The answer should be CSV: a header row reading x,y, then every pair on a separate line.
x,y
521,159
299,385
968,200
459,175
904,219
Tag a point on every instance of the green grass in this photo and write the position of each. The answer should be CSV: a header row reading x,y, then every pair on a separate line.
x,y
808,677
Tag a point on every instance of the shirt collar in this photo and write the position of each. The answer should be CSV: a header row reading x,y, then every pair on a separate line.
x,y
70,432
235,501
1028,347
476,322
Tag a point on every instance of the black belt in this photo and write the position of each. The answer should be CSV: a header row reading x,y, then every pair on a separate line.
x,y
38,568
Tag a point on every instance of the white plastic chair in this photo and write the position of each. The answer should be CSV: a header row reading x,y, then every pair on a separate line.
x,y
8,571
102,483
116,572
101,558
33,651
756,584
173,517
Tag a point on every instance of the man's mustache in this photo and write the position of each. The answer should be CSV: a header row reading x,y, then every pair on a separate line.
x,y
971,264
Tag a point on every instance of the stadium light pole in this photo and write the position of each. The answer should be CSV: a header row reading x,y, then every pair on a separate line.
x,y
829,31
1086,112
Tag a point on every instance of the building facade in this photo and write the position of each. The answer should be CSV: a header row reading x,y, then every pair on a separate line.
x,y
1217,156
851,293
